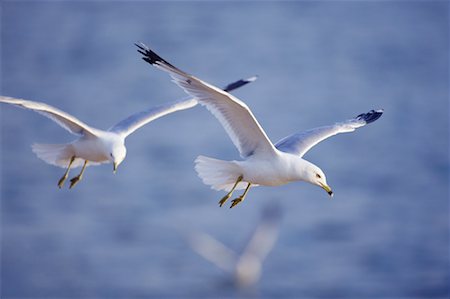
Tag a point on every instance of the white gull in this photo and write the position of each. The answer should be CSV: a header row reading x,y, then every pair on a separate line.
x,y
95,146
264,163
245,267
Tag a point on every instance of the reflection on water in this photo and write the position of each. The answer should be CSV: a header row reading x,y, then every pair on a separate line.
x,y
384,234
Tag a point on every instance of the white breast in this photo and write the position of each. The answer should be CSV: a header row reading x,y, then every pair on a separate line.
x,y
268,172
91,149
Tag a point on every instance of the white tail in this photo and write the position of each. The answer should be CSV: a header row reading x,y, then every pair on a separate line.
x,y
219,174
56,154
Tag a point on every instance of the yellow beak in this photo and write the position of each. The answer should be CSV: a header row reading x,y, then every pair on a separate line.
x,y
327,188
114,167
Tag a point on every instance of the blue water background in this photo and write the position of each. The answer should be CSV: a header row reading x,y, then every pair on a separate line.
x,y
384,235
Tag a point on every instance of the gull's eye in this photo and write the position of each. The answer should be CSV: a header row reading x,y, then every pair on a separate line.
x,y
318,176
111,155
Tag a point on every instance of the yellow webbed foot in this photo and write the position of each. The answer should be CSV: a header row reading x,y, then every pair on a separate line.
x,y
66,174
224,199
74,181
61,181
240,198
236,201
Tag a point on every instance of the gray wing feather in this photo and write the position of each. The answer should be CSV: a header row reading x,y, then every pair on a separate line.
x,y
135,121
234,115
65,120
300,143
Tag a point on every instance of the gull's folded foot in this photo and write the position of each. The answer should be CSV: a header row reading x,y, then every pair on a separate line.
x,y
62,180
74,181
236,201
240,198
224,199
66,174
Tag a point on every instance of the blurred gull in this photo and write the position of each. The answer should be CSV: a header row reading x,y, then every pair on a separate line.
x,y
264,163
95,146
246,268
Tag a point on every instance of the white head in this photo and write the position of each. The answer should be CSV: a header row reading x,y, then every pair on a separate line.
x,y
315,176
117,153
248,270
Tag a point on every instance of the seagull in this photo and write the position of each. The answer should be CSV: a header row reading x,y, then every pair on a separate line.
x,y
264,163
95,146
245,267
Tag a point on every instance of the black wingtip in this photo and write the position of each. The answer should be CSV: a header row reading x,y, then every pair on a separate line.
x,y
150,56
141,46
370,116
239,83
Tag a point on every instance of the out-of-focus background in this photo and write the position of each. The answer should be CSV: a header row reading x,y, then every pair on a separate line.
x,y
385,234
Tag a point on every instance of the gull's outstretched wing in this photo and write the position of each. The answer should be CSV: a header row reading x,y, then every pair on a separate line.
x,y
300,143
213,251
135,121
234,115
265,235
65,120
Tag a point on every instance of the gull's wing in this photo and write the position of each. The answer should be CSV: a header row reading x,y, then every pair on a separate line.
x,y
135,121
234,115
65,120
300,143
213,251
265,235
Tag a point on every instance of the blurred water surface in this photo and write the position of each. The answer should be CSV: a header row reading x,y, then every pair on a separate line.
x,y
384,235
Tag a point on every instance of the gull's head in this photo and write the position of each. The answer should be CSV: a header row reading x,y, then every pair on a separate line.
x,y
316,176
248,270
117,154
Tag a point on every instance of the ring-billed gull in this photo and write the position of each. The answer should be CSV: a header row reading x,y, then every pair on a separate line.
x,y
95,146
264,163
246,266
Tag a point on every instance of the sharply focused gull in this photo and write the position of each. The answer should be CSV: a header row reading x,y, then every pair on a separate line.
x,y
95,146
246,266
264,163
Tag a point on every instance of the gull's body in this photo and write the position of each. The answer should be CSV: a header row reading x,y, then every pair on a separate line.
x,y
264,163
95,146
244,267
280,169
96,150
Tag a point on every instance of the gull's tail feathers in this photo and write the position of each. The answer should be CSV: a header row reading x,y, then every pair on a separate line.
x,y
219,174
56,154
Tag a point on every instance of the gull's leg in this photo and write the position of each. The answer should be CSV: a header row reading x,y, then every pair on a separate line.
x,y
240,198
76,179
66,174
225,198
